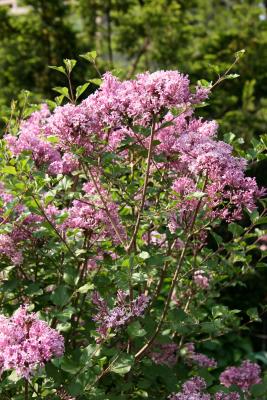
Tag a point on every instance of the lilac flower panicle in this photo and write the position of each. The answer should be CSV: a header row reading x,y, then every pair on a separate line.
x,y
227,396
193,390
27,343
87,213
194,385
10,250
139,305
101,122
119,315
201,279
199,358
244,377
165,354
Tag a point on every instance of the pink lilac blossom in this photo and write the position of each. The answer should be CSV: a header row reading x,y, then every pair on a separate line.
x,y
4,196
102,120
193,390
89,213
33,137
160,239
227,396
95,262
9,249
23,225
200,359
195,384
155,238
244,377
194,155
164,354
120,315
65,165
200,279
27,343
193,151
25,222
263,242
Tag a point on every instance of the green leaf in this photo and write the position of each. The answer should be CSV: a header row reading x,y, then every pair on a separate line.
x,y
52,139
86,288
59,69
235,229
259,390
81,89
217,237
75,388
218,311
197,195
59,100
70,64
60,296
135,330
123,364
70,276
62,90
253,314
261,221
239,54
144,255
89,56
87,353
13,377
9,170
69,365
96,81
204,82
231,76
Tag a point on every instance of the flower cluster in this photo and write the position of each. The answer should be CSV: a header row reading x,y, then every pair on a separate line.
x,y
120,315
224,192
263,242
165,354
18,226
10,250
244,377
104,116
193,390
34,138
202,168
200,359
27,343
200,279
89,213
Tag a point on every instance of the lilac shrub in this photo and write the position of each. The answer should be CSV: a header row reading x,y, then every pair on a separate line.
x,y
110,210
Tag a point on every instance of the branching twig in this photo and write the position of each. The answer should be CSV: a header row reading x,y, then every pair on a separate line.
x,y
148,164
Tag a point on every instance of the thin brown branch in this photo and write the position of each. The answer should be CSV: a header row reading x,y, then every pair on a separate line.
x,y
148,164
53,227
149,343
91,176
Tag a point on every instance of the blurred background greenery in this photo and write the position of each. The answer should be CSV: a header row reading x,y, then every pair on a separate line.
x,y
198,37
